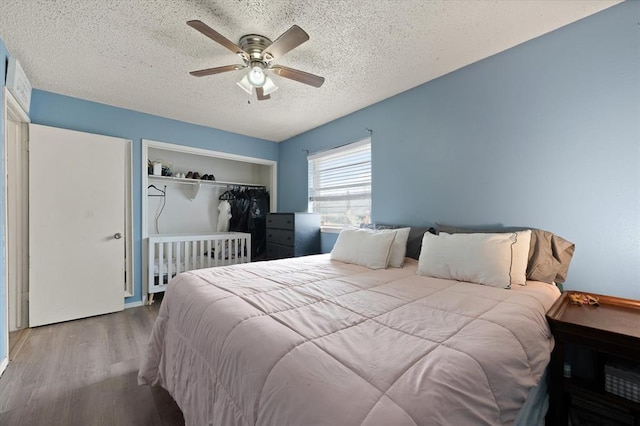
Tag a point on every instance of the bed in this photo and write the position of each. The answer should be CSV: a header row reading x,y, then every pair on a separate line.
x,y
169,255
316,340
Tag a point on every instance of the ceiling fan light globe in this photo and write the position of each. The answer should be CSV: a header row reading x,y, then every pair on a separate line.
x,y
245,85
269,86
256,76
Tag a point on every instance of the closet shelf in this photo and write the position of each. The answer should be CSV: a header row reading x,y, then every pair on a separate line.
x,y
197,182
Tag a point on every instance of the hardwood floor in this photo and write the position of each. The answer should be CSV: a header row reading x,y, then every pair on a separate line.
x,y
84,372
16,340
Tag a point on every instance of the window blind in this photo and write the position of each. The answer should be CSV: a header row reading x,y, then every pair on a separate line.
x,y
340,185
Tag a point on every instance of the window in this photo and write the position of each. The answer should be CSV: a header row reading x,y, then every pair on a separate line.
x,y
340,185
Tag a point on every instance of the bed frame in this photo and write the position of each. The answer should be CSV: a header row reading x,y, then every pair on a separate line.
x,y
169,255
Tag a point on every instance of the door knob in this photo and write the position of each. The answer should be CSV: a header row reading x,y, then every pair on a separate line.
x,y
117,235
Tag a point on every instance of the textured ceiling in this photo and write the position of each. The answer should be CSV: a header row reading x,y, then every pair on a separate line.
x,y
137,54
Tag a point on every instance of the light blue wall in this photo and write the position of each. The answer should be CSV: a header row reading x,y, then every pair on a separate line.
x,y
546,134
4,56
70,113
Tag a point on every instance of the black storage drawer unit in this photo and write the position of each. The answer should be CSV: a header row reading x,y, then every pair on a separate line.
x,y
292,234
275,251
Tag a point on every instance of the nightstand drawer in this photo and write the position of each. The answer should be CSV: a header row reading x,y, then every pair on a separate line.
x,y
280,221
281,236
275,251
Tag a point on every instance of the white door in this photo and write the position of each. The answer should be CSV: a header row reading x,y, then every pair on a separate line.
x,y
76,224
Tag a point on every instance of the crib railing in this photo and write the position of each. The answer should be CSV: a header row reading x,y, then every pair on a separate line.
x,y
169,255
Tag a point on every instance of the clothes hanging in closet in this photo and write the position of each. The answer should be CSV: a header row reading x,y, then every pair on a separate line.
x,y
224,215
258,209
249,208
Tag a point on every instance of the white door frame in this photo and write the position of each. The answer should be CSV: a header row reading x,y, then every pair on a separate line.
x,y
14,112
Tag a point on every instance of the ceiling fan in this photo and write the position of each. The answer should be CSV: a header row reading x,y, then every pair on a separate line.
x,y
258,53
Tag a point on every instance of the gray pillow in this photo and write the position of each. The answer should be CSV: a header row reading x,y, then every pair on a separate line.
x,y
414,242
549,254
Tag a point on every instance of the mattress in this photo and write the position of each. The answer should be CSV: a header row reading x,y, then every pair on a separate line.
x,y
310,341
165,267
165,264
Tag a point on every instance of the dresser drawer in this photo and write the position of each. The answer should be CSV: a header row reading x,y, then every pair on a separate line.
x,y
276,251
283,237
280,221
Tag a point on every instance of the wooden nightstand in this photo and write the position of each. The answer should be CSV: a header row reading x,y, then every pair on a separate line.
x,y
608,331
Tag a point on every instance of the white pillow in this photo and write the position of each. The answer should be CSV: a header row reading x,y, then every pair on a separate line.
x,y
477,258
398,247
362,247
520,253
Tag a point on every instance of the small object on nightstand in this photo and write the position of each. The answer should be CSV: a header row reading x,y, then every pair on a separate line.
x,y
583,299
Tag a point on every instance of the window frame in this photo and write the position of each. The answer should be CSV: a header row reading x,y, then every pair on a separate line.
x,y
343,149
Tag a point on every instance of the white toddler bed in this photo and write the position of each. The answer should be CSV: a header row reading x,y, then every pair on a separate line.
x,y
169,255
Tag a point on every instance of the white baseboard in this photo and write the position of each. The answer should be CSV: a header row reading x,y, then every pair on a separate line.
x,y
136,304
4,364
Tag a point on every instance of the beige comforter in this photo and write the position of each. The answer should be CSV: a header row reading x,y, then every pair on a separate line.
x,y
310,341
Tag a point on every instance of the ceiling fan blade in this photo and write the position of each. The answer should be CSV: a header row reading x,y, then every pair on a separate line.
x,y
216,70
289,40
261,95
217,37
297,75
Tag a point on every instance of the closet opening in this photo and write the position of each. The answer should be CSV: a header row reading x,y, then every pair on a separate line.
x,y
193,197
